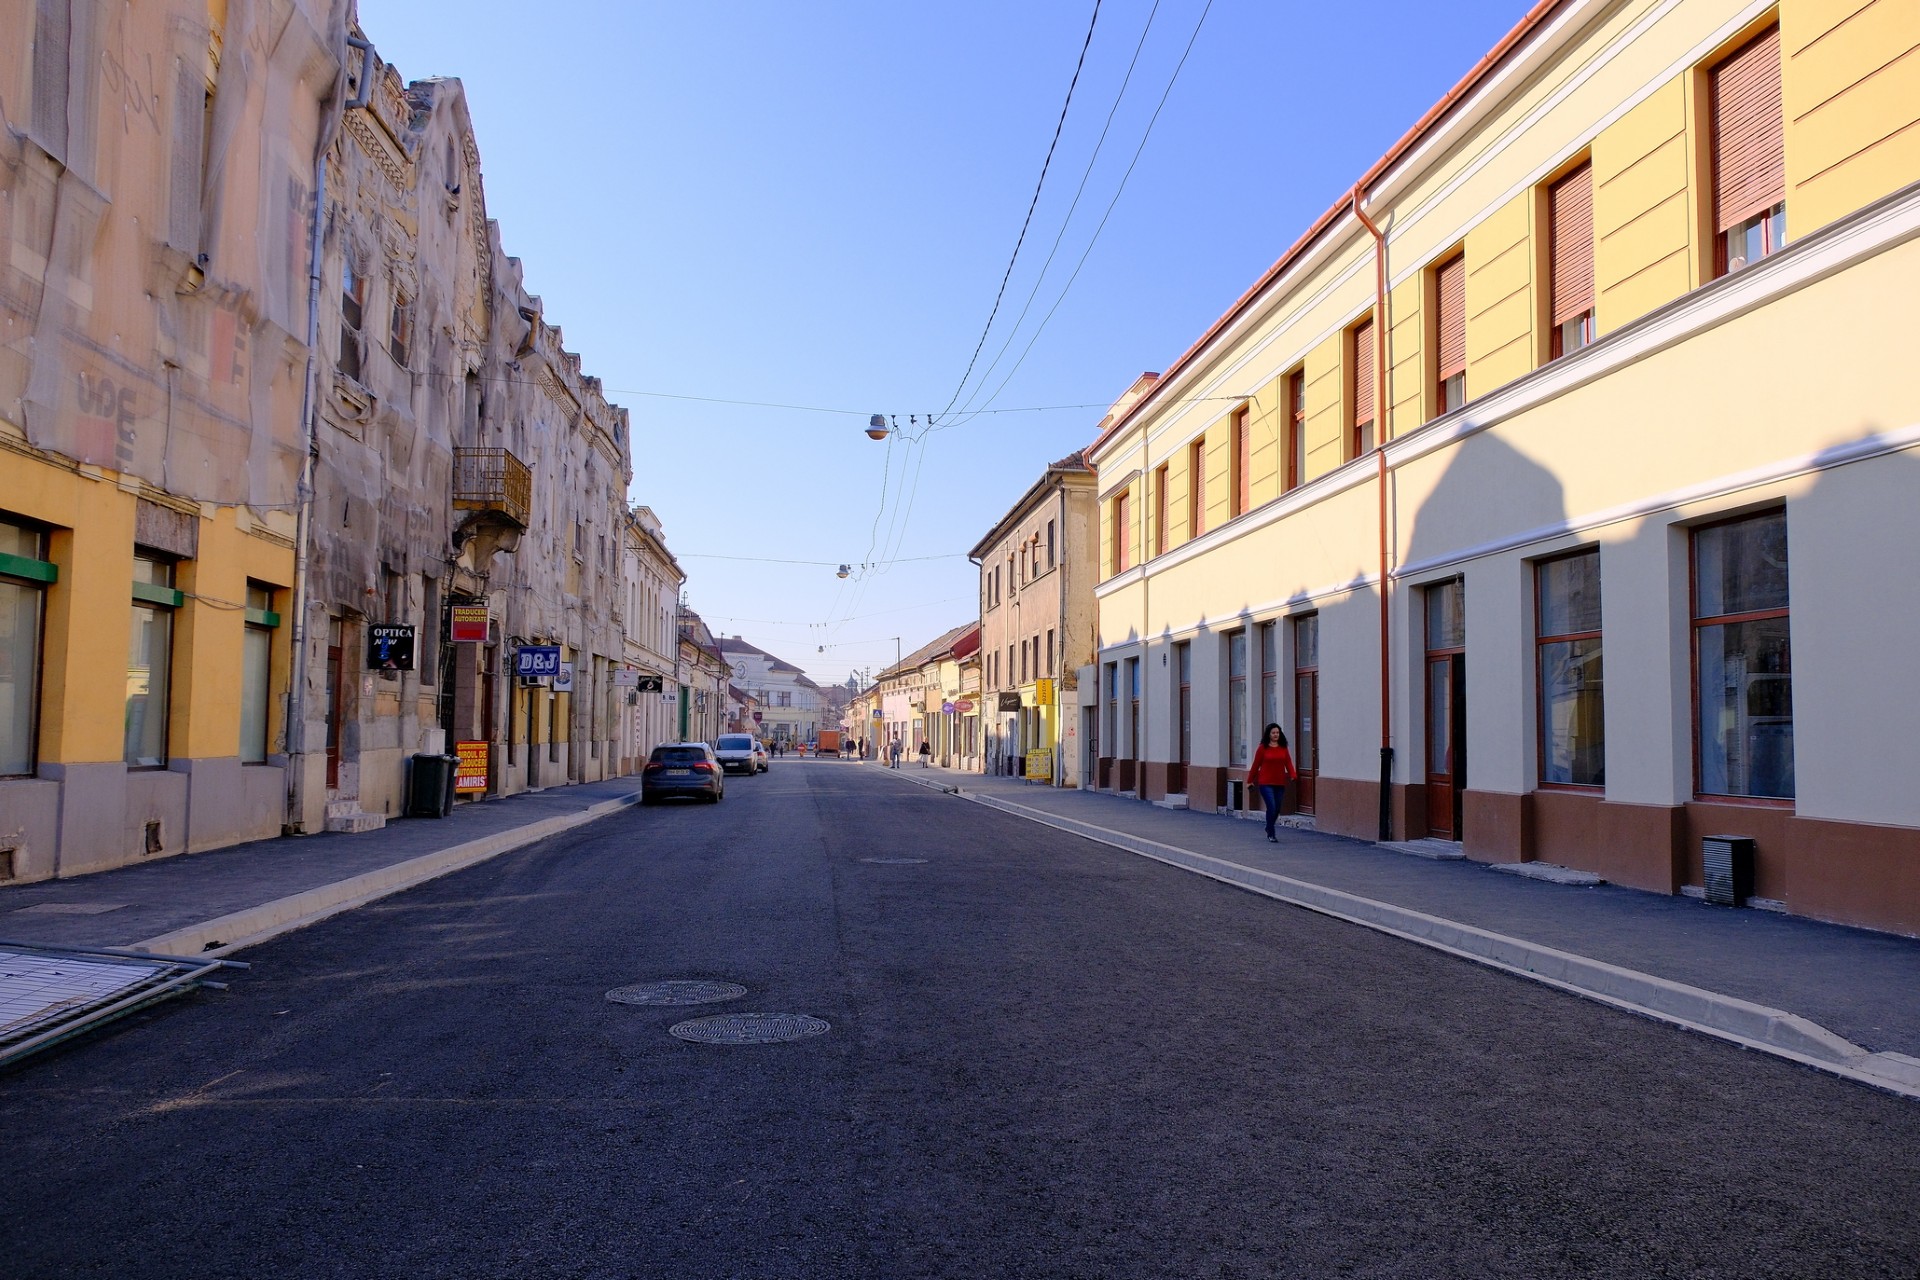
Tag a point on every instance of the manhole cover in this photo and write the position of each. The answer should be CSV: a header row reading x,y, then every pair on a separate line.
x,y
894,862
749,1028
677,991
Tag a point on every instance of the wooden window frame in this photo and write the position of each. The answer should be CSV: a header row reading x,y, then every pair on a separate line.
x,y
1571,302
1240,461
1296,429
1541,639
1361,341
1696,623
1196,488
1160,478
1445,369
1768,213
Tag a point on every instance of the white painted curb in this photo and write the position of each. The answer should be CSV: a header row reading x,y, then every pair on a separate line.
x,y
230,933
1754,1026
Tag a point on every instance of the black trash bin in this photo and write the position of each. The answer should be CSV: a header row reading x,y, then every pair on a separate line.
x,y
430,794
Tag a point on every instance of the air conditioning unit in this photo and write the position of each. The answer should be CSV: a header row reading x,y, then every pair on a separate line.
x,y
532,682
1727,869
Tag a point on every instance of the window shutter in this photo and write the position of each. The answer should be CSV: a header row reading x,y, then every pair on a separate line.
x,y
1451,285
1363,373
1749,150
1570,219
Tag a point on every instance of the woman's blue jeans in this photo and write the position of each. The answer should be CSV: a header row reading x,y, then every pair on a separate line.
x,y
1270,796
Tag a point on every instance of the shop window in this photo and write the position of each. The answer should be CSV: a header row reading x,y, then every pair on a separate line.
x,y
1112,684
24,577
150,661
1239,741
1269,675
256,672
1572,732
1743,659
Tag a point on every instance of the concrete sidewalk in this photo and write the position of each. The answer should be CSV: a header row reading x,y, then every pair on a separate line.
x,y
1833,997
218,902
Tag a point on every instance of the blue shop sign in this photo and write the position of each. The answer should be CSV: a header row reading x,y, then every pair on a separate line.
x,y
537,660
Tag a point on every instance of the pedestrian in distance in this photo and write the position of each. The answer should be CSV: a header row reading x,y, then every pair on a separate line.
x,y
1272,769
893,751
926,754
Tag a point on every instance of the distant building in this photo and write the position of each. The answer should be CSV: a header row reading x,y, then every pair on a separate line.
x,y
792,707
1037,568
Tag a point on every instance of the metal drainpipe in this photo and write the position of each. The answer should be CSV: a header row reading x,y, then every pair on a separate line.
x,y
1060,648
296,727
1380,454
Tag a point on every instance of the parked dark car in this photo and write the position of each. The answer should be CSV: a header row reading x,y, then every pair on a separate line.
x,y
682,769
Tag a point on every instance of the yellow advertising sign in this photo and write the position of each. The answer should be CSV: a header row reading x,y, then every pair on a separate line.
x,y
1043,693
470,774
1040,763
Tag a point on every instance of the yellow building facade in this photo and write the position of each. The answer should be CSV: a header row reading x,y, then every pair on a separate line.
x,y
1549,490
153,299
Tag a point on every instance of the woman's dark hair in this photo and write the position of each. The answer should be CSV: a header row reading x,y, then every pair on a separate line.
x,y
1272,729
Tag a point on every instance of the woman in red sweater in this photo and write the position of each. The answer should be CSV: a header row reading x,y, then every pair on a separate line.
x,y
1272,769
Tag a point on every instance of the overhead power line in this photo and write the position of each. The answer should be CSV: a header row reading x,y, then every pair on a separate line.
x,y
1031,205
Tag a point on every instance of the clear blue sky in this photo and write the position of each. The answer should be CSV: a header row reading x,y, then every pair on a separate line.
x,y
814,204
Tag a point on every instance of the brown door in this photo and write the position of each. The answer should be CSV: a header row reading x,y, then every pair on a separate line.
x,y
336,698
1306,736
1177,772
1446,742
490,665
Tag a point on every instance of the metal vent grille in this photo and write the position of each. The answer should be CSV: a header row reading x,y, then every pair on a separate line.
x,y
1727,868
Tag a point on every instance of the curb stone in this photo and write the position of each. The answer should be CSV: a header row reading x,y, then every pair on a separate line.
x,y
224,935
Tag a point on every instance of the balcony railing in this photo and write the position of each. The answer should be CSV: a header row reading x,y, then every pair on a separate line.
x,y
492,480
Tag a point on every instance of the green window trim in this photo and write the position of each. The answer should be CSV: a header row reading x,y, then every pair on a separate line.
x,y
159,595
263,617
34,570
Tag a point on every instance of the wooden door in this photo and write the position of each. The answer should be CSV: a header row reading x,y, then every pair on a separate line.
x,y
1446,743
1306,736
336,709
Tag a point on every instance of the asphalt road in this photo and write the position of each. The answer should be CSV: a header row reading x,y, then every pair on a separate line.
x,y
1046,1058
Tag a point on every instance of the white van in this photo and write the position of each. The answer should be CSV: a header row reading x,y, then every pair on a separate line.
x,y
740,753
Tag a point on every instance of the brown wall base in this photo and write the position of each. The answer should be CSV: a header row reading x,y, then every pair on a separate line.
x,y
1105,773
1845,872
1153,775
1349,807
1126,773
1206,787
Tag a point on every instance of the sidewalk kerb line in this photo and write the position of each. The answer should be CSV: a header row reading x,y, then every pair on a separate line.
x,y
254,925
1753,1026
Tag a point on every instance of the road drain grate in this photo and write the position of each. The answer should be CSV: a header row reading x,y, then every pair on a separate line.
x,y
749,1028
677,991
894,862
